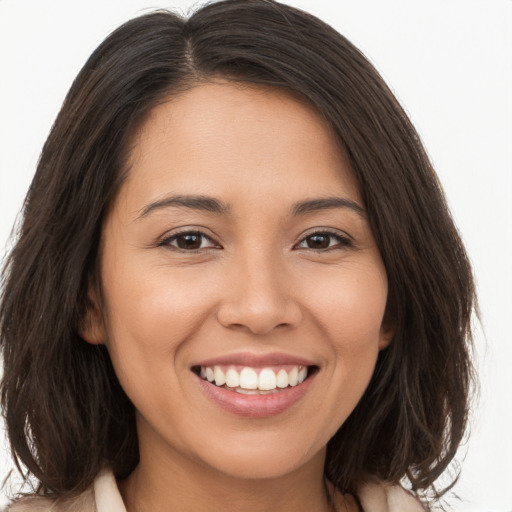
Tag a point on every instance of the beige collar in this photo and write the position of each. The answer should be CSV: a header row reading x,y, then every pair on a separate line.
x,y
106,493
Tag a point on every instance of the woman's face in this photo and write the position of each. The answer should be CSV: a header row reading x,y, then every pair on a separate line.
x,y
238,248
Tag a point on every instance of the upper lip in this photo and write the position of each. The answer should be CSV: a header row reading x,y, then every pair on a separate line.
x,y
256,360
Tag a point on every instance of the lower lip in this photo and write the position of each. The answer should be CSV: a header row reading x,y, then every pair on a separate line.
x,y
256,406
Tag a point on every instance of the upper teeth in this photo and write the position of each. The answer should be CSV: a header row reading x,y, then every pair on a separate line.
x,y
249,378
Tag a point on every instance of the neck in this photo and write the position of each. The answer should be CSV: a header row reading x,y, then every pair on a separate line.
x,y
179,484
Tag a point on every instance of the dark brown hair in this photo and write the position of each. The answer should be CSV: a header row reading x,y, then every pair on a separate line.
x,y
66,413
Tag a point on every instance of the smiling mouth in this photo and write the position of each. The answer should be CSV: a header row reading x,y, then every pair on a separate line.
x,y
255,380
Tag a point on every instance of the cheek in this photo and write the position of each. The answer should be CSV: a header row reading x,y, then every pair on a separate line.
x,y
349,305
152,311
349,308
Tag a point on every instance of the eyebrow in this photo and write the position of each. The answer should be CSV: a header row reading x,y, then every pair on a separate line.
x,y
211,205
327,203
203,203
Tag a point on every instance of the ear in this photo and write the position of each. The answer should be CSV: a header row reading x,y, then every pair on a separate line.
x,y
92,328
387,333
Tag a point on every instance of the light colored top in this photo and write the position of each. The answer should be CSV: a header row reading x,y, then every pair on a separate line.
x,y
104,496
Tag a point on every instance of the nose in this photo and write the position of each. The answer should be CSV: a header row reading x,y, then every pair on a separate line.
x,y
259,298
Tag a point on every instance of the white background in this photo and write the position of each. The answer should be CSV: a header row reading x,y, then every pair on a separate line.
x,y
450,64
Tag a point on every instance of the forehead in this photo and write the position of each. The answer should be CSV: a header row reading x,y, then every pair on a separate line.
x,y
223,137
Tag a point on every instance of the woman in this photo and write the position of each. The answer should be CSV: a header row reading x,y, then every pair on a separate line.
x,y
238,279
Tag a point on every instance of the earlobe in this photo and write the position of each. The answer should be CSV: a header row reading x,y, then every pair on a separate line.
x,y
92,328
388,326
387,333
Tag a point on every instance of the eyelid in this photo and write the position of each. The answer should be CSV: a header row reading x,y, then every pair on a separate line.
x,y
165,240
346,240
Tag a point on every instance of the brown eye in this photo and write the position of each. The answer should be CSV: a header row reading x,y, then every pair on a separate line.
x,y
324,240
318,241
189,241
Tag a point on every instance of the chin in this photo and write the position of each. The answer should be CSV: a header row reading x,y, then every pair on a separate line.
x,y
264,460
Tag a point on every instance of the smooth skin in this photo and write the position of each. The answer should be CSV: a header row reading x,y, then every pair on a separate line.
x,y
214,247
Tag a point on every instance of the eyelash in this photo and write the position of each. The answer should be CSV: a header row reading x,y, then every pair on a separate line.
x,y
167,242
343,242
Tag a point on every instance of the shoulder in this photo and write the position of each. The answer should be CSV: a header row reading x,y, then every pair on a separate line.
x,y
376,496
82,503
30,504
380,497
102,496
